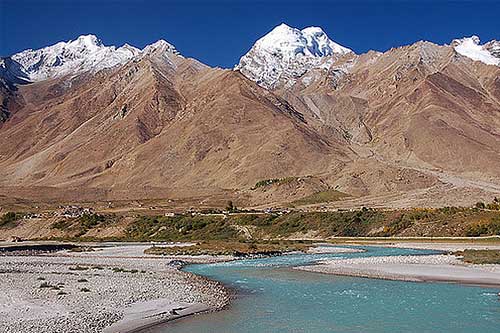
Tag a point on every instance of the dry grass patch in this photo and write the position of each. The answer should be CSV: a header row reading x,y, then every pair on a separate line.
x,y
480,256
233,248
320,197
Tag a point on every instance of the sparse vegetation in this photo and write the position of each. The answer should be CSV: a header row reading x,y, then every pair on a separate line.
x,y
82,249
123,270
84,268
234,248
231,207
446,221
8,219
48,285
62,224
277,181
351,224
320,197
242,225
181,228
480,205
89,221
78,268
494,205
480,256
81,225
484,228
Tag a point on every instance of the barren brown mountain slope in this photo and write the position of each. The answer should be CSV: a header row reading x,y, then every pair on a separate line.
x,y
416,125
170,124
422,107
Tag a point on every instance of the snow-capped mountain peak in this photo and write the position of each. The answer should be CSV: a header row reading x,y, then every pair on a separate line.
x,y
86,41
160,45
85,53
286,53
291,42
470,47
493,47
319,43
129,48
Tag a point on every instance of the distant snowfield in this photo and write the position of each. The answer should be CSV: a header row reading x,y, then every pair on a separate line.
x,y
470,47
86,53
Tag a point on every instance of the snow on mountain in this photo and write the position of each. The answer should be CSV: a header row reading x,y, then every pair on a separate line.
x,y
160,46
86,53
286,53
493,47
470,47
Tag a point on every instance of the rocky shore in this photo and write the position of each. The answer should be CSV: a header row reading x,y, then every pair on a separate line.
x,y
437,268
321,248
95,292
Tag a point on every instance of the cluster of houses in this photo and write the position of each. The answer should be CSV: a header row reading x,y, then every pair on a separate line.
x,y
29,216
74,211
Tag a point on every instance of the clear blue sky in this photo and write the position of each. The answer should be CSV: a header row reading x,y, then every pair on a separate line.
x,y
219,32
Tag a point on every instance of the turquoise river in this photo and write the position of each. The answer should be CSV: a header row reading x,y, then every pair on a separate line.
x,y
273,297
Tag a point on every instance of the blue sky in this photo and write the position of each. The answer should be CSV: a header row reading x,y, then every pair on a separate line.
x,y
219,32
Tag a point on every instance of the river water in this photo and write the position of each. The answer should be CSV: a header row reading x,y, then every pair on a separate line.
x,y
273,297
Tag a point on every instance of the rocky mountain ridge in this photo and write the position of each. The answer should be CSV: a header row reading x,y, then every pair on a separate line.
x,y
415,125
86,53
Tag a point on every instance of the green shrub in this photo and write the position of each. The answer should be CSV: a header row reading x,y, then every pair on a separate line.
x,y
90,220
181,228
48,285
62,224
277,181
78,268
9,218
484,228
230,207
480,205
480,256
494,226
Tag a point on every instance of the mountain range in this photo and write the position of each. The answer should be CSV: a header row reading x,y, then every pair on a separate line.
x,y
298,116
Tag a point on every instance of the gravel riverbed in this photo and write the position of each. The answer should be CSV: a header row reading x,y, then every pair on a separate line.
x,y
64,293
438,268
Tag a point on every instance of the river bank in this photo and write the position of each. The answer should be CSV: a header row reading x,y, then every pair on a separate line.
x,y
107,290
116,287
274,297
428,268
112,287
